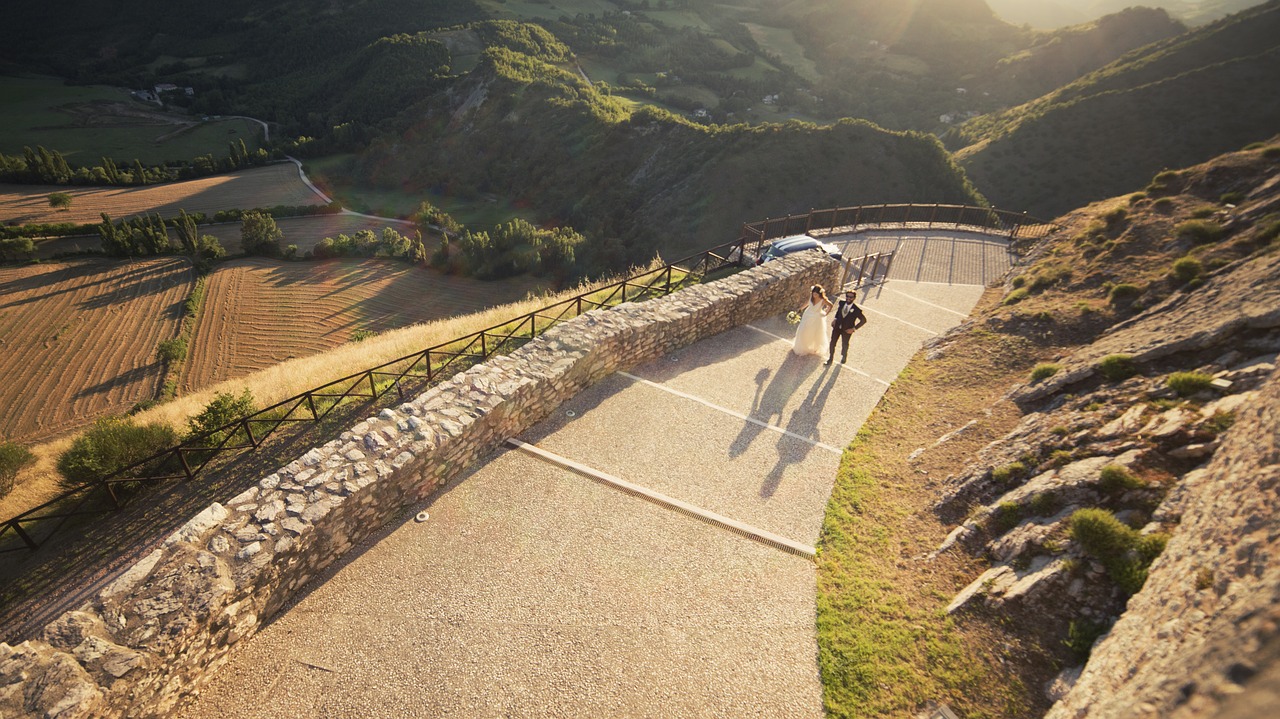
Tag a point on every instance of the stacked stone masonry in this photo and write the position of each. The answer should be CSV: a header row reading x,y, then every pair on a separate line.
x,y
158,632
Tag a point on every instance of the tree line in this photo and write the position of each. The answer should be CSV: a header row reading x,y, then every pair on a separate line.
x,y
43,166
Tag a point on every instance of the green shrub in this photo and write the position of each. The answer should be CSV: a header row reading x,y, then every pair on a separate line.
x,y
224,409
1060,431
1115,478
1164,204
1082,634
1047,276
1188,383
1018,281
172,350
1008,473
1015,296
1203,212
1271,152
1204,578
1124,552
1044,371
362,335
1270,229
1059,458
1199,231
1115,217
1137,197
1118,367
1044,504
1123,292
111,444
13,457
1231,198
1220,422
1005,517
1187,269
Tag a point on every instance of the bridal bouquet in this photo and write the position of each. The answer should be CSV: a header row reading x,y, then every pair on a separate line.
x,y
793,317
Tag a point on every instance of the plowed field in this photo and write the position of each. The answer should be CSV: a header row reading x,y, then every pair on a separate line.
x,y
258,312
277,184
78,339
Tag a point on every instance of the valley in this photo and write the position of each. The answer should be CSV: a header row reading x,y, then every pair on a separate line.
x,y
425,168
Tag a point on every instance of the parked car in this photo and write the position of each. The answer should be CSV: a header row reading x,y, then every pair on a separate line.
x,y
796,243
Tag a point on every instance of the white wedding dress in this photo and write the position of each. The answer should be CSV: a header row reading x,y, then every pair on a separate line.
x,y
811,333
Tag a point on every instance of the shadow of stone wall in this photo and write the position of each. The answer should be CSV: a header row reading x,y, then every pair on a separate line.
x,y
159,631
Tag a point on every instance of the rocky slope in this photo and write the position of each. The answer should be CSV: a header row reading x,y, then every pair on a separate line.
x,y
1136,503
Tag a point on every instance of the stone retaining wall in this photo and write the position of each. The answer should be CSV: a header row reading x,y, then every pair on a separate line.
x,y
153,636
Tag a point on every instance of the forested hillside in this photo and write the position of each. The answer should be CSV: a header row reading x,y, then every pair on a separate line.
x,y
640,181
1175,103
660,126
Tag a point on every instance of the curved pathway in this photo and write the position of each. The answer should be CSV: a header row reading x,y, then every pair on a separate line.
x,y
537,588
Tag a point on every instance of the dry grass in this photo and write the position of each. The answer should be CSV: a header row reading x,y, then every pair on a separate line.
x,y
277,184
40,482
885,646
258,313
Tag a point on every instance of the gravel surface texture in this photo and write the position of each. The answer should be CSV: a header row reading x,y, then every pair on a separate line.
x,y
532,591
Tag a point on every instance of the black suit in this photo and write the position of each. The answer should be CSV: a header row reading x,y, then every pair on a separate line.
x,y
842,327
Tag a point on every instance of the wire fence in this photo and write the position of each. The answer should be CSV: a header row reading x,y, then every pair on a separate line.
x,y
184,462
406,375
1013,226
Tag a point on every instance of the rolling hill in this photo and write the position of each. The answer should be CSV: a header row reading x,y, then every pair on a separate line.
x,y
1171,104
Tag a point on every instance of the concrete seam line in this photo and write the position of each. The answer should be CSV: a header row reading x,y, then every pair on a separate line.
x,y
902,321
848,367
739,415
927,302
746,530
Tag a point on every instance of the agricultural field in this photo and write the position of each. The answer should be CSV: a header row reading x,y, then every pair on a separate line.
x,y
305,232
87,123
330,174
782,42
258,313
277,184
78,339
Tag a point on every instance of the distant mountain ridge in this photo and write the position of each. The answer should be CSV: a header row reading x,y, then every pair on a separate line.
x,y
1049,14
1174,103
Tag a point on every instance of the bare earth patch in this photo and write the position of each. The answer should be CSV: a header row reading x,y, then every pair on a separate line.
x,y
277,184
259,312
78,339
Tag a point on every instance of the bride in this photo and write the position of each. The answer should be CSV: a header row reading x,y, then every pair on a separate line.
x,y
811,334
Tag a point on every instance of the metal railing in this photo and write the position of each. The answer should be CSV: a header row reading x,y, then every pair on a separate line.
x,y
184,462
1013,226
866,270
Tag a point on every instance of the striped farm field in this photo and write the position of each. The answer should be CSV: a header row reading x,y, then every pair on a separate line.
x,y
278,184
78,339
258,312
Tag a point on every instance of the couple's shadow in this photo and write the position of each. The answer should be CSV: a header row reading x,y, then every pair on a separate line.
x,y
769,403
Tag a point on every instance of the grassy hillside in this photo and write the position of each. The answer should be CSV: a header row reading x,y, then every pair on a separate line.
x,y
640,181
1174,103
885,641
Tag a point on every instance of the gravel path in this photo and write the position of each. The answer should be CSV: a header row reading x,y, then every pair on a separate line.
x,y
533,591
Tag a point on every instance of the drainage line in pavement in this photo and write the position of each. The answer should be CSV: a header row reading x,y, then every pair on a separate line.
x,y
746,530
747,418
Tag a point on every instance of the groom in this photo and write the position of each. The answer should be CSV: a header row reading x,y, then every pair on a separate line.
x,y
848,317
